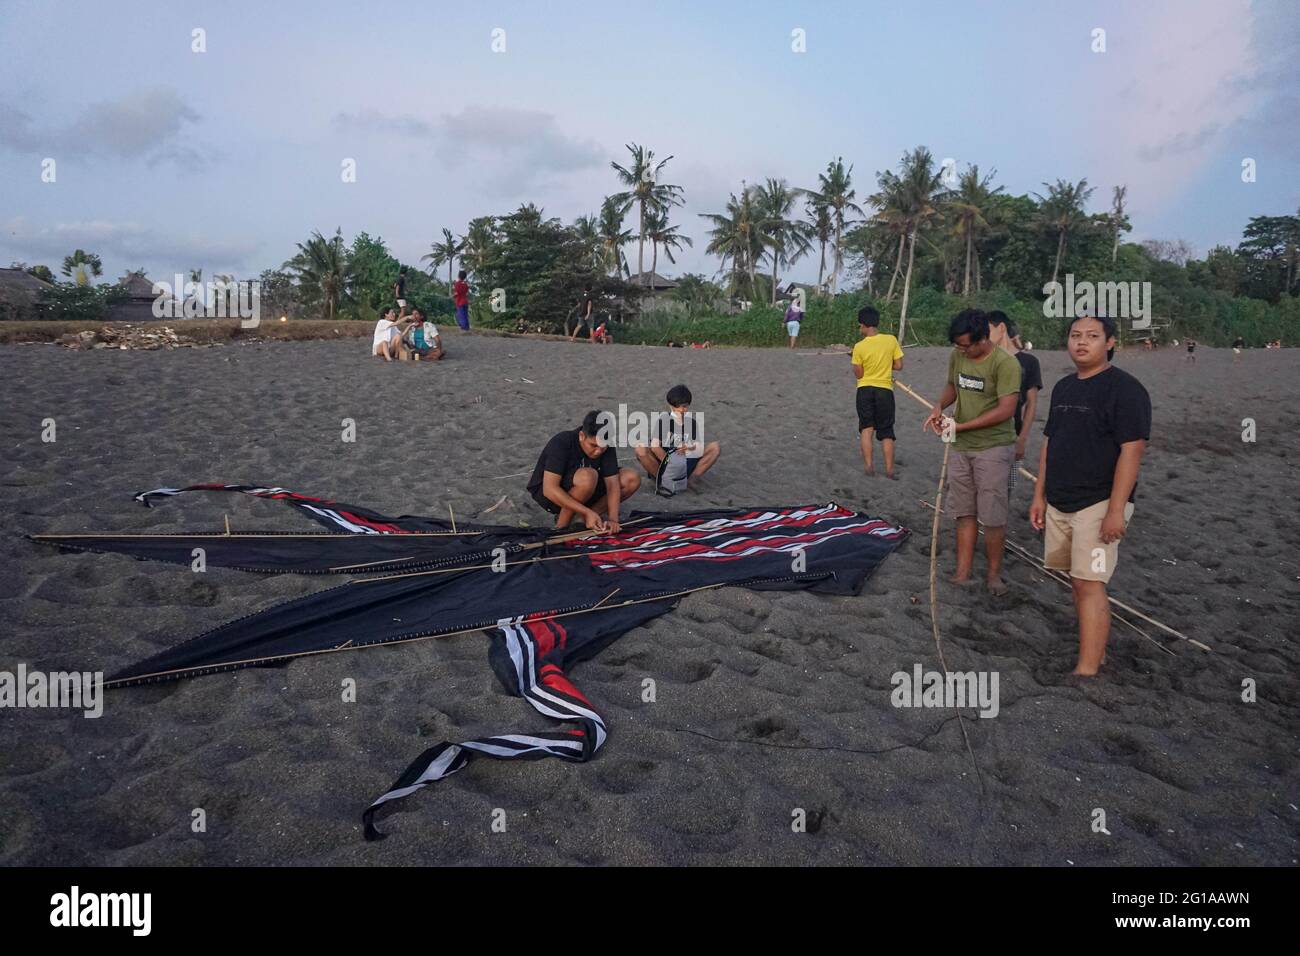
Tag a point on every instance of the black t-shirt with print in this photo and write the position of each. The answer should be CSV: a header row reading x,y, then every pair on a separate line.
x,y
1090,418
564,455
672,434
1031,376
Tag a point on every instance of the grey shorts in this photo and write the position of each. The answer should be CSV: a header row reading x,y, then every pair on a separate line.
x,y
977,484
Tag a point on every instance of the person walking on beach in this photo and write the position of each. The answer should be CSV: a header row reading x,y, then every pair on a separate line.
x,y
1004,334
1098,424
1191,350
585,306
793,317
460,295
577,473
875,359
984,382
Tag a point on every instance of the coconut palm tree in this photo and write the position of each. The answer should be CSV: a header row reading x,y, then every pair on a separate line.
x,y
787,239
661,234
922,191
478,239
1061,213
613,237
321,267
445,251
822,229
645,191
835,191
892,212
84,264
735,236
1118,220
969,208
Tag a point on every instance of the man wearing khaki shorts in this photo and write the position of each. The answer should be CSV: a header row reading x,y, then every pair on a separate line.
x,y
984,382
1097,428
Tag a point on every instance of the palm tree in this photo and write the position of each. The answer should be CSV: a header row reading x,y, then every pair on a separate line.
x,y
1061,212
445,251
823,230
478,239
970,206
735,236
613,237
1118,220
661,234
835,191
84,264
788,239
921,192
641,177
892,206
321,266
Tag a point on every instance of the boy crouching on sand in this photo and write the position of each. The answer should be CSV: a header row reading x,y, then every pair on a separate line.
x,y
677,434
1097,428
875,359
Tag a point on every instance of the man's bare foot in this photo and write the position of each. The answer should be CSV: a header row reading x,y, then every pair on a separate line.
x,y
871,471
891,476
997,587
963,581
1078,673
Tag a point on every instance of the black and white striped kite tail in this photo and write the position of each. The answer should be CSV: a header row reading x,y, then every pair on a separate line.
x,y
546,687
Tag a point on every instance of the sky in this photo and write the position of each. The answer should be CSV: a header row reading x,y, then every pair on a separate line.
x,y
170,159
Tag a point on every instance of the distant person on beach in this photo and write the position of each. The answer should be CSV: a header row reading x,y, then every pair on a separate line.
x,y
677,433
399,288
1006,336
387,342
875,359
984,382
578,473
1191,350
460,296
1237,345
421,338
1097,428
585,306
793,317
602,335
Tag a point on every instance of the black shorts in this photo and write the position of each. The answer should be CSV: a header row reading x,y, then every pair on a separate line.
x,y
566,483
876,410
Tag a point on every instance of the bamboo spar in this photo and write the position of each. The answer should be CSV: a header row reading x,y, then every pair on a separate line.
x,y
1023,470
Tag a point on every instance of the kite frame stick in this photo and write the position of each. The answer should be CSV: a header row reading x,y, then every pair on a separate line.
x,y
1023,470
934,601
1022,552
350,646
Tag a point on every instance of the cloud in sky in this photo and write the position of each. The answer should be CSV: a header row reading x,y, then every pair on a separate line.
x,y
507,150
146,124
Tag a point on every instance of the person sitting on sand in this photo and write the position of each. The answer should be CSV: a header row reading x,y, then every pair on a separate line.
x,y
984,381
677,433
875,359
422,339
602,335
387,342
1098,424
577,472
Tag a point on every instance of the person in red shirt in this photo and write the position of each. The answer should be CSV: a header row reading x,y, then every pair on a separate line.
x,y
460,295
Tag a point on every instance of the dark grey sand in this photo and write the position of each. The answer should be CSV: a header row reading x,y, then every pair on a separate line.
x,y
767,702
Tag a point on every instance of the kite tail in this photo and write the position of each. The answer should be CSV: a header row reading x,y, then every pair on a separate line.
x,y
544,685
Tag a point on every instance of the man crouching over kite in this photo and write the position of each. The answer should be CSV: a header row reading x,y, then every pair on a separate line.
x,y
578,473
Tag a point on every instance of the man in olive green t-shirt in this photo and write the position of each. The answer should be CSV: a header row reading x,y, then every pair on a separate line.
x,y
984,381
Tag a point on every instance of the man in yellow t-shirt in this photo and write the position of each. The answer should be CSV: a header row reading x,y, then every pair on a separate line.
x,y
876,358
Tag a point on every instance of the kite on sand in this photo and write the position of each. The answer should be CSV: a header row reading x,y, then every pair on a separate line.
x,y
548,601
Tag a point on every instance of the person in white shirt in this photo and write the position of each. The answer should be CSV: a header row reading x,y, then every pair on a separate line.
x,y
387,342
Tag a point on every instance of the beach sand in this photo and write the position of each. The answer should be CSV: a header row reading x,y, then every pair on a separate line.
x,y
766,703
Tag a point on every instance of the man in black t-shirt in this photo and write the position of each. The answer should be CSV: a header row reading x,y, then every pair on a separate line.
x,y
578,472
1097,429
